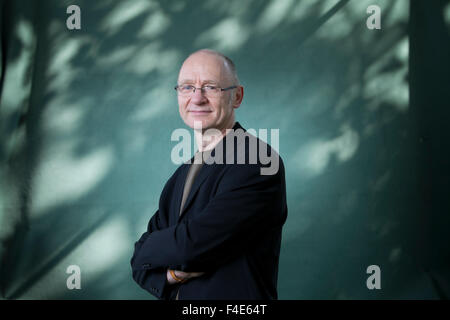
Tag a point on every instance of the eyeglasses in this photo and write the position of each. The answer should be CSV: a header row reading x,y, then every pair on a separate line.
x,y
208,90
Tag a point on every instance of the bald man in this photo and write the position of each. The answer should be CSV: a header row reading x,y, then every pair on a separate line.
x,y
217,231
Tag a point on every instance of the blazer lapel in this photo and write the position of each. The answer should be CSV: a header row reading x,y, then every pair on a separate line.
x,y
205,171
178,191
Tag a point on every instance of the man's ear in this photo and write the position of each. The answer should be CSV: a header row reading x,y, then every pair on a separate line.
x,y
238,96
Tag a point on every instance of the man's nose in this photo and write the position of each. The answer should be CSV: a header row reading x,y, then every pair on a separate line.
x,y
198,97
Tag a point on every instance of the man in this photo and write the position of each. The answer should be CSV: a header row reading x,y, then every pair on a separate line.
x,y
217,232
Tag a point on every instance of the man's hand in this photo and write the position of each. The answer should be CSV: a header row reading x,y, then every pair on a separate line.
x,y
184,276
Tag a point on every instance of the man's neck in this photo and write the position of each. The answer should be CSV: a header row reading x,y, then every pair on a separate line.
x,y
208,139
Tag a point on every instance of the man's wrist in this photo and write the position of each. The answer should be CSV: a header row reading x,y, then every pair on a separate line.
x,y
172,278
175,277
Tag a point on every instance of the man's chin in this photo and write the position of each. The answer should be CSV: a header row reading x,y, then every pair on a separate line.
x,y
199,124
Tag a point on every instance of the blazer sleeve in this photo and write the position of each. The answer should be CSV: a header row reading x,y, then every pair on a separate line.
x,y
154,281
246,205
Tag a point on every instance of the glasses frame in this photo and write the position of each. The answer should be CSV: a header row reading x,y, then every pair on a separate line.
x,y
202,90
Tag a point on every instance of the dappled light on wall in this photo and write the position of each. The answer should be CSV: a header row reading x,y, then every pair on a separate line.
x,y
314,158
87,114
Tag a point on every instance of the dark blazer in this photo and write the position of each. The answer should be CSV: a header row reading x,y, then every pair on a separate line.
x,y
230,228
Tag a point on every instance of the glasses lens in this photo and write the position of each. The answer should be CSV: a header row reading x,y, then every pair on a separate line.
x,y
185,89
209,91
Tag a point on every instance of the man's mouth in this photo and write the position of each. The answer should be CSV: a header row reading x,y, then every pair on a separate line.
x,y
199,112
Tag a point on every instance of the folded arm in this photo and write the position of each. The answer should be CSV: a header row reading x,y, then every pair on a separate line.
x,y
158,280
154,281
246,204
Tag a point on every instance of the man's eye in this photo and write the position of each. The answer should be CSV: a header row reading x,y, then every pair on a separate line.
x,y
186,87
210,88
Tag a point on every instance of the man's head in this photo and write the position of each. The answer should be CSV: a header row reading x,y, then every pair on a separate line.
x,y
214,108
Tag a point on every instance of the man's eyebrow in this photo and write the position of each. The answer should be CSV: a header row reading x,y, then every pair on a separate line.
x,y
210,81
188,81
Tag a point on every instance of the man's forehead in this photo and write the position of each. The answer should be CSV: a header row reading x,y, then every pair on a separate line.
x,y
206,57
208,66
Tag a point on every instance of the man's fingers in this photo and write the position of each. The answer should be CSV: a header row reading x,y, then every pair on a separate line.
x,y
188,275
197,274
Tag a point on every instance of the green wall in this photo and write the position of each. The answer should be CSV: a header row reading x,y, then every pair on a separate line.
x,y
86,118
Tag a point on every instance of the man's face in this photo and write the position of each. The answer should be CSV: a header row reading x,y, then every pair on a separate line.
x,y
217,112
